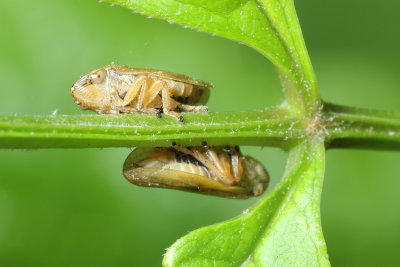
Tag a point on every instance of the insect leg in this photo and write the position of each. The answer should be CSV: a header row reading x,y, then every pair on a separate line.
x,y
237,167
194,152
192,108
128,109
167,105
153,91
207,161
134,89
147,98
115,98
223,164
143,93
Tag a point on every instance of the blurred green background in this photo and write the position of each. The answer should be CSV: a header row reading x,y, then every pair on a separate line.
x,y
74,208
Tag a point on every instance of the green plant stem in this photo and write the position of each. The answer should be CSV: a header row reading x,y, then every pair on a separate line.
x,y
271,127
361,128
340,126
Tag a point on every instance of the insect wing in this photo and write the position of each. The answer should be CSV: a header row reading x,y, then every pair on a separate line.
x,y
174,179
160,74
154,174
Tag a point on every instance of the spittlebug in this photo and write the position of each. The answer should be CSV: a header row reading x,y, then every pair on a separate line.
x,y
219,171
120,89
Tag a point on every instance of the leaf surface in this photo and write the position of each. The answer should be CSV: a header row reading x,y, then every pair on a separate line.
x,y
269,26
284,229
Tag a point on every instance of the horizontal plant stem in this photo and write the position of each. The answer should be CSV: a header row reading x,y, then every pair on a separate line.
x,y
362,128
272,127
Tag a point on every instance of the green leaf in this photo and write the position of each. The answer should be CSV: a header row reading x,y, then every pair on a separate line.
x,y
269,26
284,229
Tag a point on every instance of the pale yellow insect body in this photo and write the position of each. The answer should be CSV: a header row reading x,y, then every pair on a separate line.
x,y
220,171
120,89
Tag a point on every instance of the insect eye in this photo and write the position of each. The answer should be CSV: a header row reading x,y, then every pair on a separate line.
x,y
98,76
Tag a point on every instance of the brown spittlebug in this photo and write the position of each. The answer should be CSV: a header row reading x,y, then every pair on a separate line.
x,y
120,89
219,171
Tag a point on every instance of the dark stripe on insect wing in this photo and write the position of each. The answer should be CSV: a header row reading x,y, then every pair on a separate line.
x,y
185,158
